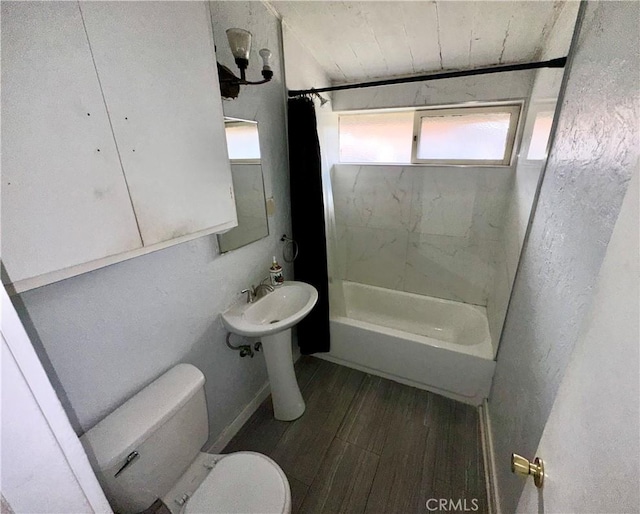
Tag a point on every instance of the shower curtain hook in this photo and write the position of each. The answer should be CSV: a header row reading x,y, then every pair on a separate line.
x,y
323,100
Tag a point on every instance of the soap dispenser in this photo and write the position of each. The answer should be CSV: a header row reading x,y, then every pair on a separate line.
x,y
275,272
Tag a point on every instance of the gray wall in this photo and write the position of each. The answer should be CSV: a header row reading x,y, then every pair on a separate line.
x,y
604,433
106,334
594,153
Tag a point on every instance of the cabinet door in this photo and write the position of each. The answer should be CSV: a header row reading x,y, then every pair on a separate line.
x,y
157,67
64,196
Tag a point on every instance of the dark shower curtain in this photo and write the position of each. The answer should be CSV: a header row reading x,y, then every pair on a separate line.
x,y
307,213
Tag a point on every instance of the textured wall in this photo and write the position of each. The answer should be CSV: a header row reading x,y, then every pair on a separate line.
x,y
604,433
110,332
592,158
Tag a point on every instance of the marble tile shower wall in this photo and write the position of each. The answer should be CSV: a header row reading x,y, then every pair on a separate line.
x,y
426,230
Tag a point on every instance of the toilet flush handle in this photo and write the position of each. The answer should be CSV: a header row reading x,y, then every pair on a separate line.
x,y
130,458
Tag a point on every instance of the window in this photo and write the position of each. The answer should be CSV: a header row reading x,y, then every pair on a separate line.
x,y
465,135
383,137
474,135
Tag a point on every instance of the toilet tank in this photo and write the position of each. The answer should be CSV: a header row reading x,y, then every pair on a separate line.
x,y
165,423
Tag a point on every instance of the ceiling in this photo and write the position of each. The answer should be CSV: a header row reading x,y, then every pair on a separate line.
x,y
356,41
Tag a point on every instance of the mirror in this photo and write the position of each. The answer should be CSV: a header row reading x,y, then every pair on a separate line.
x,y
243,144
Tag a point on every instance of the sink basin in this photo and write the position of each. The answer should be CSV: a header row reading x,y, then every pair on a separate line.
x,y
270,318
273,313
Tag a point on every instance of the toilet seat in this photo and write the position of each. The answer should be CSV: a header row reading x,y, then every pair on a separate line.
x,y
242,482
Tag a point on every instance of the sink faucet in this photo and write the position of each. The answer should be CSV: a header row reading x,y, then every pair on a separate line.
x,y
262,290
257,292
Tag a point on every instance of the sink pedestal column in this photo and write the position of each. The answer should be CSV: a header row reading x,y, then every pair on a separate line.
x,y
288,403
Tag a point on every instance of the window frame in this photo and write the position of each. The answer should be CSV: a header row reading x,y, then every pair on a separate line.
x,y
513,108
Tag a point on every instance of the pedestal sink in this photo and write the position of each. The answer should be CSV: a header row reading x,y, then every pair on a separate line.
x,y
271,318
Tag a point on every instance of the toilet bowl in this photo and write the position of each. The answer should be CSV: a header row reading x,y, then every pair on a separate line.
x,y
241,482
149,449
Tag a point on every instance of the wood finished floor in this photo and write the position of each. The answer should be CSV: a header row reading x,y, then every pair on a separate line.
x,y
370,445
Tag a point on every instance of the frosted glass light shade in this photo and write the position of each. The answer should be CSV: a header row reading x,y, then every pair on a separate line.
x,y
240,43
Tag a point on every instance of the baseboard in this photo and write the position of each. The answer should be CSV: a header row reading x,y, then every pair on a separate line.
x,y
234,427
493,499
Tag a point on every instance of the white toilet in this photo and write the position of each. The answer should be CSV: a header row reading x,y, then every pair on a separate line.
x,y
149,448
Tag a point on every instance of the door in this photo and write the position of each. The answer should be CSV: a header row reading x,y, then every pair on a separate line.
x,y
590,443
44,467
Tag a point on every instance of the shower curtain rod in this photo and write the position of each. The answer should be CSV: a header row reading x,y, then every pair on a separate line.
x,y
553,63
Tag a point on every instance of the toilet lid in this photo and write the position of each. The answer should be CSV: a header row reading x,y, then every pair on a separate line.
x,y
242,482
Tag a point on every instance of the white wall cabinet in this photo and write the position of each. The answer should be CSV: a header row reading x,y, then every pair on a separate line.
x,y
113,138
64,196
157,67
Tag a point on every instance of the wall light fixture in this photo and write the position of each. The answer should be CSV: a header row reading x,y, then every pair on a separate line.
x,y
240,43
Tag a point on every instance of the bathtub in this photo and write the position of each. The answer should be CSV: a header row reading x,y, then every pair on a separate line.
x,y
430,343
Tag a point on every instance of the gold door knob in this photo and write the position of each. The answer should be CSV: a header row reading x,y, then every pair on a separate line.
x,y
522,466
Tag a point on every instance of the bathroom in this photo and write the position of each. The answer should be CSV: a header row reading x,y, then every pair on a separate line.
x,y
105,333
